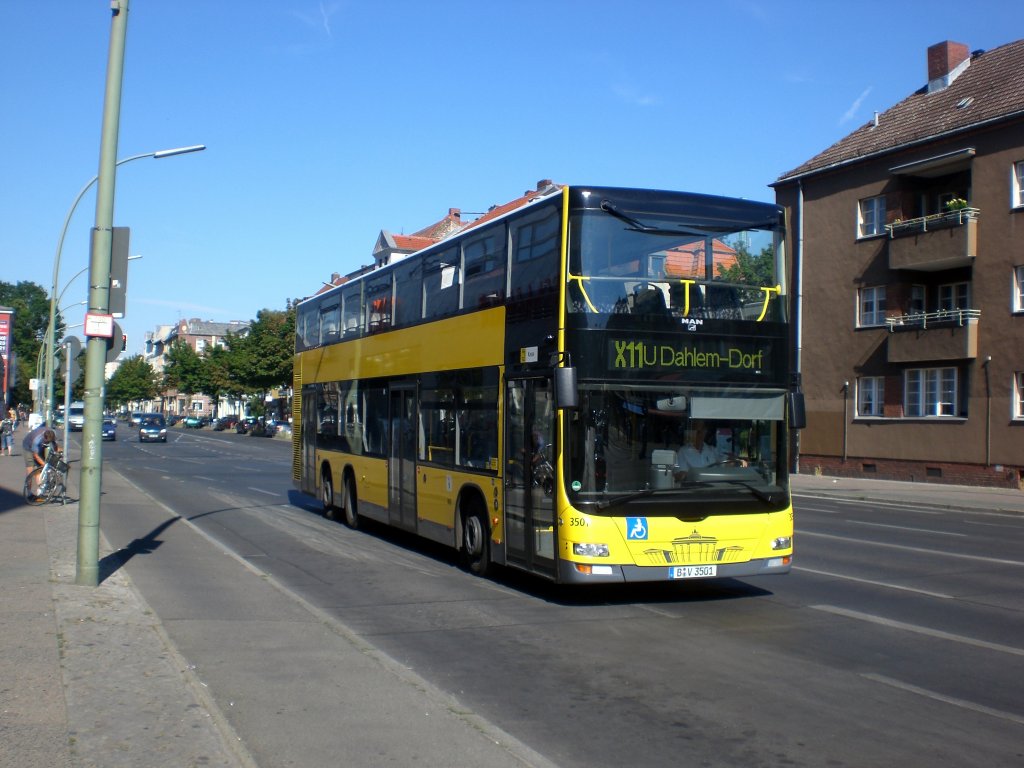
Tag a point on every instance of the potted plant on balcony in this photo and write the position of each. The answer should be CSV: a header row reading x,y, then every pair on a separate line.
x,y
956,204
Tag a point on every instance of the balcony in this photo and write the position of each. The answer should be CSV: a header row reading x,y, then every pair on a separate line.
x,y
927,336
933,243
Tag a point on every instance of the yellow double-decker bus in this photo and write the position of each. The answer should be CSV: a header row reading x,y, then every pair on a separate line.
x,y
593,387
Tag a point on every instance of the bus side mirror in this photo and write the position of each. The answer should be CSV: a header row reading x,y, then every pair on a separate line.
x,y
797,414
566,395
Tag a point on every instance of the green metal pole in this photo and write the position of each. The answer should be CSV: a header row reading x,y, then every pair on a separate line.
x,y
87,571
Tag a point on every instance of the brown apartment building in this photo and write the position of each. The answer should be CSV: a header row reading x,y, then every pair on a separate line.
x,y
907,239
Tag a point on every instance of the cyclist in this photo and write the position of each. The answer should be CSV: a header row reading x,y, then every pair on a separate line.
x,y
36,446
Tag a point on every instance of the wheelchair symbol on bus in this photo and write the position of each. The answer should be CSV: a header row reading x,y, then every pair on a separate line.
x,y
636,528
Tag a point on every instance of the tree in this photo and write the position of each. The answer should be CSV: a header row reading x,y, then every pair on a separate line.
x,y
133,380
184,370
749,269
222,372
265,354
31,304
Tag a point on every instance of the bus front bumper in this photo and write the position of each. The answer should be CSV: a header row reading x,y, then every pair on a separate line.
x,y
575,573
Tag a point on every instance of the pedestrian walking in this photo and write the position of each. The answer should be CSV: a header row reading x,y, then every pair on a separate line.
x,y
6,436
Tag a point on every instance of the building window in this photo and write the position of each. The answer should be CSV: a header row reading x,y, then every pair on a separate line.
x,y
1018,395
930,392
871,306
871,216
1018,185
917,300
870,391
954,296
1018,289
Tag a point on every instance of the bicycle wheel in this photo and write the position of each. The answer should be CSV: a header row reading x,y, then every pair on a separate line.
x,y
32,481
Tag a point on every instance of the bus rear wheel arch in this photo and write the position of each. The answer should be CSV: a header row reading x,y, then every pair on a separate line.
x,y
475,536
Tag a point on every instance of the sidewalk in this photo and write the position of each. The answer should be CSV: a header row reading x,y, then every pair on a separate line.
x,y
86,675
932,495
90,677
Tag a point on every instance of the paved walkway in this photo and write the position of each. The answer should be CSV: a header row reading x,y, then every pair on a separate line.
x,y
89,677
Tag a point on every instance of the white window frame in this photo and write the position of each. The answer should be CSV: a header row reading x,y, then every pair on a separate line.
x,y
872,296
931,393
1018,403
870,396
1018,395
871,216
1017,185
952,294
1018,289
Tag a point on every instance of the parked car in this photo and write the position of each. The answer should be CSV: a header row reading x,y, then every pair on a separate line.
x,y
244,425
193,422
262,428
109,428
225,422
152,427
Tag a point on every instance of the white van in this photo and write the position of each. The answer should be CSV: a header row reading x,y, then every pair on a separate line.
x,y
76,416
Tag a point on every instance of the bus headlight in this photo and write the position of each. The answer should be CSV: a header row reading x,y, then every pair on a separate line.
x,y
783,542
590,550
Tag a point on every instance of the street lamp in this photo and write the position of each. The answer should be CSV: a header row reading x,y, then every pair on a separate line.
x,y
49,342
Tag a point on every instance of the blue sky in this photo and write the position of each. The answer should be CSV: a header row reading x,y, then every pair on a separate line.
x,y
329,120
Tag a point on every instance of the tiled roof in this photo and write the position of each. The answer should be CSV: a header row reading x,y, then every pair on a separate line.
x,y
412,242
990,88
544,187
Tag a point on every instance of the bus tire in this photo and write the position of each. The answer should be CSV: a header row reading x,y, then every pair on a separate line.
x,y
327,492
351,504
476,540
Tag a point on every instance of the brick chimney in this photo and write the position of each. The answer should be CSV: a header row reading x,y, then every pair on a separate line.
x,y
946,61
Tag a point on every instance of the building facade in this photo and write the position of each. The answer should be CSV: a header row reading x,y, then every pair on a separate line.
x,y
200,335
907,238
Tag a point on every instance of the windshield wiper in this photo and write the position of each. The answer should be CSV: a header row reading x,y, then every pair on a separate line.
x,y
639,226
625,497
766,497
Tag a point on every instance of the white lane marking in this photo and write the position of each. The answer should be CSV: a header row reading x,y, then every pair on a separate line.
x,y
914,506
905,528
260,490
962,703
887,585
937,552
203,477
936,633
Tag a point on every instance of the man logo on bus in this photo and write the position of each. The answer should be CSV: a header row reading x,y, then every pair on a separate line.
x,y
636,528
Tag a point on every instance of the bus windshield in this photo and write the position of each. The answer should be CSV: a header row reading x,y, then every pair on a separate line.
x,y
681,441
639,263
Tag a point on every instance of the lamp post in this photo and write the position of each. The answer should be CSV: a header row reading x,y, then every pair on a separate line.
x,y
54,298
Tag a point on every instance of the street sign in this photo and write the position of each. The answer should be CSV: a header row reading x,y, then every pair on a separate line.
x,y
115,344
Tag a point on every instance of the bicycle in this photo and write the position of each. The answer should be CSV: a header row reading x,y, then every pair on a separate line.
x,y
49,481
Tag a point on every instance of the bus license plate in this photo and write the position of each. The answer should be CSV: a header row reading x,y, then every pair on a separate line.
x,y
692,571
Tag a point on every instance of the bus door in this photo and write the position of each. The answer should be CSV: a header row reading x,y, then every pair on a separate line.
x,y
530,475
307,437
402,457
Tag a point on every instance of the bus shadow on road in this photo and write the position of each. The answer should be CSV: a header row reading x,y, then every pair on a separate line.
x,y
692,591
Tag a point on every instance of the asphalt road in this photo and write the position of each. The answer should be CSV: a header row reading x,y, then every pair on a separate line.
x,y
897,638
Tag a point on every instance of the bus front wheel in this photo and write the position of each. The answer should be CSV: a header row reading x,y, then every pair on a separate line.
x,y
476,545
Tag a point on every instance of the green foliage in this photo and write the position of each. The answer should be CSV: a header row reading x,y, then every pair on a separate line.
x,y
133,380
184,370
749,269
31,304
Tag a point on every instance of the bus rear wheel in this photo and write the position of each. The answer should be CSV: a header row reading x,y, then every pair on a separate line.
x,y
327,493
476,545
351,508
